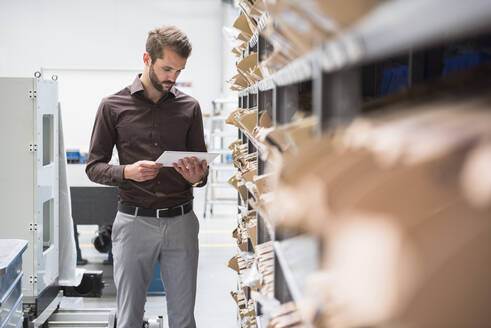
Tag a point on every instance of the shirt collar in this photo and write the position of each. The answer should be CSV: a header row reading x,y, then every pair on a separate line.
x,y
137,87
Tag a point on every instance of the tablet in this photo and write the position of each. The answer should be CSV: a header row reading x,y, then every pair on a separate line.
x,y
169,157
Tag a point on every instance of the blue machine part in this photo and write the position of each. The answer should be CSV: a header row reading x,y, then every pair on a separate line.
x,y
156,286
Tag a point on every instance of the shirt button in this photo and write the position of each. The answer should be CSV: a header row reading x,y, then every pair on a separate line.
x,y
158,182
155,144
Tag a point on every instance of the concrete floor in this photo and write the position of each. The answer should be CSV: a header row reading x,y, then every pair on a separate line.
x,y
214,305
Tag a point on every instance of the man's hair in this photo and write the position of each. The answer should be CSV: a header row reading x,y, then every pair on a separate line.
x,y
167,36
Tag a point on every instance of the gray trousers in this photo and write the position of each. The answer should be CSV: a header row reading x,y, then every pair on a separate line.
x,y
137,243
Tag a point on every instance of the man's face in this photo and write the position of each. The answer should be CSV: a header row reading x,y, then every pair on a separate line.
x,y
164,71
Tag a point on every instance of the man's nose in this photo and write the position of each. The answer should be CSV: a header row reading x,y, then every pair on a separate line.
x,y
173,77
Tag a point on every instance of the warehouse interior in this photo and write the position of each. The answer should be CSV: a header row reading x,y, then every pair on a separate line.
x,y
349,182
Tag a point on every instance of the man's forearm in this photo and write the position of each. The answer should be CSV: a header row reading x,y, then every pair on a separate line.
x,y
106,174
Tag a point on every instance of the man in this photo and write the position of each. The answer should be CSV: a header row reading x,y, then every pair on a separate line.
x,y
155,219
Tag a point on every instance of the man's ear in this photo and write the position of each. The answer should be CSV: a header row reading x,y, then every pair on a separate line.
x,y
146,59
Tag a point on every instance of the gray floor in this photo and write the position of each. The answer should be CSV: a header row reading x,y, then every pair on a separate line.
x,y
214,305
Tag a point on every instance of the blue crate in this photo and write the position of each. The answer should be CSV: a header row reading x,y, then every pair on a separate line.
x,y
394,79
73,156
83,158
464,61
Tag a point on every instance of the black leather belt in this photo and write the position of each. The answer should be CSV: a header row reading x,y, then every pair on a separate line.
x,y
159,213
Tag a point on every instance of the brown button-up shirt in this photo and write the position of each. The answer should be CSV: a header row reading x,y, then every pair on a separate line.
x,y
142,130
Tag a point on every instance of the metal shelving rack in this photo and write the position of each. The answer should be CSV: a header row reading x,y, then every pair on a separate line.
x,y
216,131
333,72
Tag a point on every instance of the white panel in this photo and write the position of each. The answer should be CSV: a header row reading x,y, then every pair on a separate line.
x,y
17,168
47,182
23,101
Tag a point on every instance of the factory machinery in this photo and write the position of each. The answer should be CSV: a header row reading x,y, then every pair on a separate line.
x,y
35,219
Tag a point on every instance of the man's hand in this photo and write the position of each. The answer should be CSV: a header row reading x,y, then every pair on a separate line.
x,y
191,169
142,170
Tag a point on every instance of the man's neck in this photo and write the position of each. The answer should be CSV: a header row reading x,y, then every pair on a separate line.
x,y
149,90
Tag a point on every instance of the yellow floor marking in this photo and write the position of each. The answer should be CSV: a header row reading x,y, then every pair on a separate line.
x,y
86,246
87,232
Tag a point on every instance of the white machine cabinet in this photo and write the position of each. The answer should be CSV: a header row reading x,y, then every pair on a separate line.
x,y
29,177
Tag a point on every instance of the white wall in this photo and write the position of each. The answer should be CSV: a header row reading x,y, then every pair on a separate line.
x,y
104,39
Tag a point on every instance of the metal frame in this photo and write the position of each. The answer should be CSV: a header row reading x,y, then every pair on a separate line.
x,y
32,193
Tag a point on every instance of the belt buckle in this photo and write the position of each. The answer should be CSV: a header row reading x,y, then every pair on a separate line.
x,y
161,209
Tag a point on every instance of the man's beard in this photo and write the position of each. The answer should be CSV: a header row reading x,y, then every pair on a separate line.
x,y
156,83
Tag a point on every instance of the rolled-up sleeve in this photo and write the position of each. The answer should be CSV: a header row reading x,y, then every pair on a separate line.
x,y
101,147
196,138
